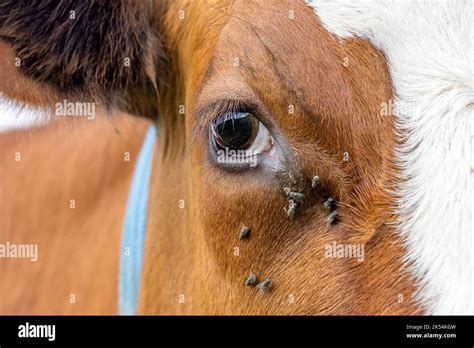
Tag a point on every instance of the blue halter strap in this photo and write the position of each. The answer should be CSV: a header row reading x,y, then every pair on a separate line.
x,y
134,231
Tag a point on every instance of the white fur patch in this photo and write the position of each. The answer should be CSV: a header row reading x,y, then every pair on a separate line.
x,y
429,49
15,115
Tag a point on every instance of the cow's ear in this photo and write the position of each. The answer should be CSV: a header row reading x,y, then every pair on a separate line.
x,y
99,49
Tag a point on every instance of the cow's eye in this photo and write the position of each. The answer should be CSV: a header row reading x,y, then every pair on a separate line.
x,y
241,131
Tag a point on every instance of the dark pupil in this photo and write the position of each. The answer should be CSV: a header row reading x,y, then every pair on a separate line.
x,y
237,132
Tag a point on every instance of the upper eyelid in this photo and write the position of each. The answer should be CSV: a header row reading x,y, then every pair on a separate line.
x,y
217,108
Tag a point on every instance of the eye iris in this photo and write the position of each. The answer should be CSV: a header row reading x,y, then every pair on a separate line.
x,y
236,131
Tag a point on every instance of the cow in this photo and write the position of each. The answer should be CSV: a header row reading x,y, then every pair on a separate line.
x,y
350,194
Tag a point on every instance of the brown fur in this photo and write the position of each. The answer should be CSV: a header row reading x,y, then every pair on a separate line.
x,y
78,248
76,159
85,56
190,251
15,85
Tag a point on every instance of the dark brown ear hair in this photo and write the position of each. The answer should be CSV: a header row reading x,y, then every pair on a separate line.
x,y
106,50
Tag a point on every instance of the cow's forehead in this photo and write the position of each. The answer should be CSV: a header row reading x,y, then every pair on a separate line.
x,y
280,51
429,50
267,48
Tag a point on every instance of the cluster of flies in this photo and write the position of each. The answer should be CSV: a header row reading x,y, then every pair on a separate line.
x,y
295,199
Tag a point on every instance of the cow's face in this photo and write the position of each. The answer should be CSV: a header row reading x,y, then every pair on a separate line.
x,y
265,78
326,182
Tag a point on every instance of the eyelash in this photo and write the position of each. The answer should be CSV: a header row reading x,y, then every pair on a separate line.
x,y
215,110
228,107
